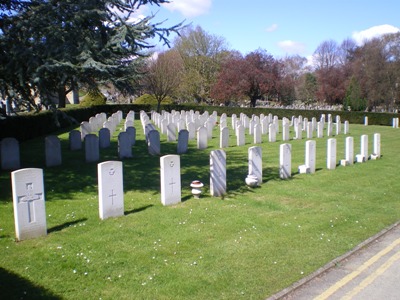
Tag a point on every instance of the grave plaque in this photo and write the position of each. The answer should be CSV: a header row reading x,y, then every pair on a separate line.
x,y
29,203
111,190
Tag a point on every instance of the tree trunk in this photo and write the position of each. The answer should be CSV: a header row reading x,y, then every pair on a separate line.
x,y
61,97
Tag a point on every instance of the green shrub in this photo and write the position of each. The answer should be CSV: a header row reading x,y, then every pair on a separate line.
x,y
92,99
151,99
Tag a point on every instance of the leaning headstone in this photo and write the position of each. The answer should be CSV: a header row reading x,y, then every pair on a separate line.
x,y
75,140
92,152
183,141
202,141
124,145
349,152
153,142
28,203
217,173
377,146
224,137
170,168
285,161
331,154
255,162
52,151
104,138
111,190
10,159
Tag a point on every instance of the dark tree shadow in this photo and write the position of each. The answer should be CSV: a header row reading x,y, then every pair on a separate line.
x,y
13,286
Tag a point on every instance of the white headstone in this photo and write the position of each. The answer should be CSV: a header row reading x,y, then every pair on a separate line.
x,y
104,138
255,162
171,132
202,141
310,158
217,173
75,140
349,152
272,132
111,189
153,142
170,168
131,131
285,131
29,203
257,134
285,161
124,145
10,159
52,151
92,152
85,129
191,127
224,138
366,121
377,146
183,141
363,156
309,130
320,130
346,127
331,154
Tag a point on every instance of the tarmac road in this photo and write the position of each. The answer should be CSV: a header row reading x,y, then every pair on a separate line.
x,y
370,272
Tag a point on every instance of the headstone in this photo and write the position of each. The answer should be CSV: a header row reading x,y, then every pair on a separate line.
x,y
131,131
124,145
171,132
309,130
52,151
85,129
111,189
217,173
346,129
202,141
10,159
153,142
224,138
366,121
331,154
285,161
329,129
310,153
240,136
349,152
170,168
272,132
183,141
285,131
377,146
29,203
75,140
320,130
363,156
255,162
257,134
92,152
191,127
104,138
338,126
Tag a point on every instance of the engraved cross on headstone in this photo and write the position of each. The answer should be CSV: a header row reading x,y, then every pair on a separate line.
x,y
172,185
29,199
112,196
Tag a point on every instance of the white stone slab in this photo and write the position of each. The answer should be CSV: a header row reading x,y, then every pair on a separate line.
x,y
124,145
202,141
257,134
52,151
331,154
377,146
240,135
183,141
104,138
10,157
255,162
217,173
170,168
92,151
29,203
285,161
224,137
272,132
311,155
153,142
111,189
75,140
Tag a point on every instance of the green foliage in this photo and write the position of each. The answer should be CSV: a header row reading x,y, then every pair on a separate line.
x,y
92,99
151,99
353,98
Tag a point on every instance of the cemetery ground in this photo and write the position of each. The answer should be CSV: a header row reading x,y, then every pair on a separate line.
x,y
249,244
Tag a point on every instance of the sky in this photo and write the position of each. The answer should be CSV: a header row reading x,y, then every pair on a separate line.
x,y
284,27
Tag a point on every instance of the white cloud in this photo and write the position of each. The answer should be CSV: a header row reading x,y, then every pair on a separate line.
x,y
361,36
272,28
189,8
291,47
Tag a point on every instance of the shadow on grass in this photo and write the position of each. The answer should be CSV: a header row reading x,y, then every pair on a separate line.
x,y
133,211
65,225
13,286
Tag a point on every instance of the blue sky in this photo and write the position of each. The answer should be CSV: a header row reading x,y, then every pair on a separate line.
x,y
283,27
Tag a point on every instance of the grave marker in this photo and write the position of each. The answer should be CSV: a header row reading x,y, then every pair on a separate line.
x,y
217,173
183,141
331,154
255,162
10,158
104,138
224,138
52,151
285,161
75,140
92,152
170,168
124,145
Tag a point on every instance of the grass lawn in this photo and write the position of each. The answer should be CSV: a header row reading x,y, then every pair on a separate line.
x,y
248,245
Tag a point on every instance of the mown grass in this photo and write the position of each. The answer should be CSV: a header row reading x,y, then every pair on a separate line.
x,y
248,245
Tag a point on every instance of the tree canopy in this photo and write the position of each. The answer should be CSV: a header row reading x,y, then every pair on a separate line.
x,y
50,47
